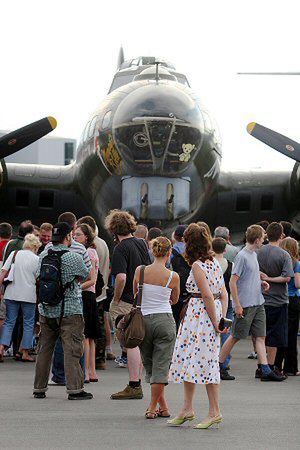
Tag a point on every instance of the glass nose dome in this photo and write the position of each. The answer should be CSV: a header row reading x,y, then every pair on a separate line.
x,y
158,129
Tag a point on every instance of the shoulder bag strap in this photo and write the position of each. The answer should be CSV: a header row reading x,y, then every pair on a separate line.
x,y
140,287
14,257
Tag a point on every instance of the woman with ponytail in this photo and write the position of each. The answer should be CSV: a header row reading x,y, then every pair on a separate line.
x,y
160,290
196,354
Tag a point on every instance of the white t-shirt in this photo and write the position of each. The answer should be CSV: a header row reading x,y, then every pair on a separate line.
x,y
22,289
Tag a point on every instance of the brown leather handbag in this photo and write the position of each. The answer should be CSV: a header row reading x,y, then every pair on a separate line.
x,y
131,328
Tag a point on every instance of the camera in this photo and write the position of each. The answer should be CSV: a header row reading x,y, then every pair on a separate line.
x,y
225,323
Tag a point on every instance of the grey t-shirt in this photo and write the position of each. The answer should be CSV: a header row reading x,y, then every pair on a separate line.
x,y
249,284
275,262
230,253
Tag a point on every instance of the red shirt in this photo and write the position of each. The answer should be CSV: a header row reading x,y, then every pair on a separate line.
x,y
2,247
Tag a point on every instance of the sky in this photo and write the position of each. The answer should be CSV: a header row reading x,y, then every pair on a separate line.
x,y
59,57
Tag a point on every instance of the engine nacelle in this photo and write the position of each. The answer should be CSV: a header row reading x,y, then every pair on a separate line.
x,y
294,203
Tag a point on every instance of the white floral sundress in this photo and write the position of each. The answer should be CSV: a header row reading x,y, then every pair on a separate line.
x,y
196,354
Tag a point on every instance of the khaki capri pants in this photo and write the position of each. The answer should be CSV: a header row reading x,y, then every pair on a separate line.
x,y
157,347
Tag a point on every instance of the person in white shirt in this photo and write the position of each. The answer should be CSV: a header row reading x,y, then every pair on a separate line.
x,y
160,289
21,293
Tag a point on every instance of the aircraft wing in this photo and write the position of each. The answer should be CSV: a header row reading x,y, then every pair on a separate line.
x,y
247,197
39,193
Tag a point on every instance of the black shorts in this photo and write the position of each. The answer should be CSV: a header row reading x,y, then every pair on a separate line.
x,y
90,315
277,325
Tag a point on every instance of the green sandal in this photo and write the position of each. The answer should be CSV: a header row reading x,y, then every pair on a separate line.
x,y
177,421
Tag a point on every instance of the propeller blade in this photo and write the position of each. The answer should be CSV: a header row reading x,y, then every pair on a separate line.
x,y
16,140
281,143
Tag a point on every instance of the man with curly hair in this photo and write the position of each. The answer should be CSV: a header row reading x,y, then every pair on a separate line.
x,y
129,253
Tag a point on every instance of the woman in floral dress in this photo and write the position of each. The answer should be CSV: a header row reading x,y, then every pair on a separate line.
x,y
196,354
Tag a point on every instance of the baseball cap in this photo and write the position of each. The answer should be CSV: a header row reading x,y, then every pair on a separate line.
x,y
60,231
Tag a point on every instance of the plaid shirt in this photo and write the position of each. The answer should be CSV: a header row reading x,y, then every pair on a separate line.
x,y
72,266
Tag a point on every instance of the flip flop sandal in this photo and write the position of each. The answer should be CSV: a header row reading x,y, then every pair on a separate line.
x,y
150,414
160,413
18,357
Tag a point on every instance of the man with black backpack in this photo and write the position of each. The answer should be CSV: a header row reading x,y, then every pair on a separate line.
x,y
60,308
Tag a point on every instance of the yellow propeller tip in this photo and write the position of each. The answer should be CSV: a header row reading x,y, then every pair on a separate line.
x,y
52,122
250,127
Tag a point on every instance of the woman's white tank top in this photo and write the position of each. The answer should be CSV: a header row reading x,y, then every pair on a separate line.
x,y
156,299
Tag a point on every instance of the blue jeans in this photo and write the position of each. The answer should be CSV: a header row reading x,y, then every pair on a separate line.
x,y
12,309
58,366
224,337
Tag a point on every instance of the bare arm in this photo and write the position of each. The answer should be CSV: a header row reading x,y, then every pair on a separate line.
x,y
92,277
136,280
276,279
234,293
206,293
175,286
297,280
119,287
3,275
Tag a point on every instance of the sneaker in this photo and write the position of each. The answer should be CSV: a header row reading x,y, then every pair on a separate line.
x,y
111,357
272,376
129,393
122,362
258,373
252,355
80,396
9,352
100,365
39,395
54,383
225,375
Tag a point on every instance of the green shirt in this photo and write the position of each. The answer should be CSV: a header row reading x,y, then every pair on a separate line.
x,y
72,266
15,244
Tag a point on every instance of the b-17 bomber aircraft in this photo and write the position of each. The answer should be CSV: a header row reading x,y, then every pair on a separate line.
x,y
150,148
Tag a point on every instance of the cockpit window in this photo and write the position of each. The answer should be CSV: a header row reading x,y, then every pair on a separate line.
x,y
92,127
120,80
182,79
106,120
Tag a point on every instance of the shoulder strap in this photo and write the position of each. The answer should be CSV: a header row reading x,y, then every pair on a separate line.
x,y
140,287
170,278
14,257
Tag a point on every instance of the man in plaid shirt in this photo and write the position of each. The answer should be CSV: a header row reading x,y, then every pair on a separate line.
x,y
71,328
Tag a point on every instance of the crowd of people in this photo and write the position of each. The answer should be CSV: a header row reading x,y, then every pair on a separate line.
x,y
64,295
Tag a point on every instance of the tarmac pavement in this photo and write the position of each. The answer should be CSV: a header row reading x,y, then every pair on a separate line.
x,y
259,416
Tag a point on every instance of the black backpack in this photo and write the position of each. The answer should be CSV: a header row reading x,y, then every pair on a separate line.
x,y
180,266
51,289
